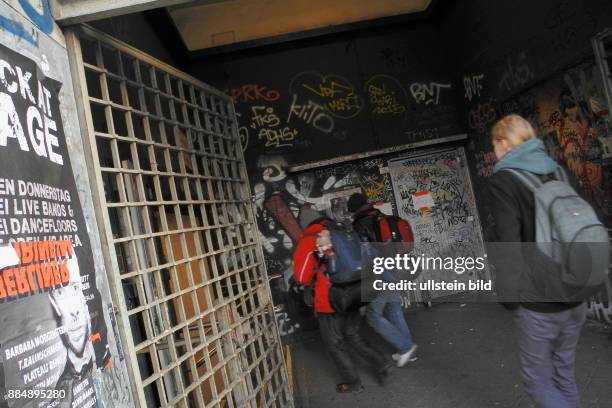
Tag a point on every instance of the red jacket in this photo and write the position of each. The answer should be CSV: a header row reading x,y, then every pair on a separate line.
x,y
305,267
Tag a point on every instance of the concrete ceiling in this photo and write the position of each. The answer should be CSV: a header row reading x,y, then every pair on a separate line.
x,y
225,22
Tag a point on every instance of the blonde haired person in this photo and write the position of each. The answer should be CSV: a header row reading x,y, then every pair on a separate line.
x,y
547,331
511,131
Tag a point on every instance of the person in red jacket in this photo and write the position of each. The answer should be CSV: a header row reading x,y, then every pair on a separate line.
x,y
338,330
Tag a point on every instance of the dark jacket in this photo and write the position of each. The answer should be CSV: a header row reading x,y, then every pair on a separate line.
x,y
69,380
512,207
365,222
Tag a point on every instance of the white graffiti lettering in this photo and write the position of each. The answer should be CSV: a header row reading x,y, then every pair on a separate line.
x,y
313,114
427,93
473,86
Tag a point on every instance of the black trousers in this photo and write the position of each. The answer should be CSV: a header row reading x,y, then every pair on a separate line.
x,y
340,333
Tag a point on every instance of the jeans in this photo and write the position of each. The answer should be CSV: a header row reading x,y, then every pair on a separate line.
x,y
341,331
385,315
547,351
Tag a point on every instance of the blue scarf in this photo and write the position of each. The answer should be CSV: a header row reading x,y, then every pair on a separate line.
x,y
530,156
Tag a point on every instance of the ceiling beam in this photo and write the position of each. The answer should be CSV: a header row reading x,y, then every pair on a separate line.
x,y
80,11
373,153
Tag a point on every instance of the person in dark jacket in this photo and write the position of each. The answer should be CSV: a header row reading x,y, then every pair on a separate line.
x,y
338,330
547,331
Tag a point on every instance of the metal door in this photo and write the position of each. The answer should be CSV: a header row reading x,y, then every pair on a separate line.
x,y
434,193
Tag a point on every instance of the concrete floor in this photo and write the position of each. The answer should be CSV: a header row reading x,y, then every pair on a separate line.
x,y
467,359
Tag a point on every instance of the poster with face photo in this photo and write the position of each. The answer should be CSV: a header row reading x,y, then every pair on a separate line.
x,y
53,330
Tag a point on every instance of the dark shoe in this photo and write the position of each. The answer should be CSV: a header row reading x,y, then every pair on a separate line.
x,y
345,388
382,374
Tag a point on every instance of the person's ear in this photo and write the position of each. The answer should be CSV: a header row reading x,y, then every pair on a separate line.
x,y
55,306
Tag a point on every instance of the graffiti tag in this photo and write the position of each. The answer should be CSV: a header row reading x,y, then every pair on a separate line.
x,y
252,93
516,73
481,116
313,114
427,93
473,86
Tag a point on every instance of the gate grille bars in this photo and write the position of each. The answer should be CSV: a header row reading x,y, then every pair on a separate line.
x,y
173,203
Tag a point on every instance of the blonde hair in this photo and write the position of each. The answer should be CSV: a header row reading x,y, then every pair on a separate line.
x,y
514,129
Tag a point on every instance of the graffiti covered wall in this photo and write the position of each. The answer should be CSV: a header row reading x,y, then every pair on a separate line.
x,y
280,196
319,101
337,97
546,72
569,113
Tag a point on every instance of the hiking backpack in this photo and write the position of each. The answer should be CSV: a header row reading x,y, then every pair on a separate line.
x,y
379,227
345,263
568,231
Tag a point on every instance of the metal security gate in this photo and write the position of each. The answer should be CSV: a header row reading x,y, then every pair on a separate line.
x,y
187,272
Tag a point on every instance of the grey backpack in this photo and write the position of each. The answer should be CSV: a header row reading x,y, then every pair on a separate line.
x,y
568,231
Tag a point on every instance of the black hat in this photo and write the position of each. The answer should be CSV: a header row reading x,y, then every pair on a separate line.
x,y
356,201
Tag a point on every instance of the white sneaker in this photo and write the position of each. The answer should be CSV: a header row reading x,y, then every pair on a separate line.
x,y
395,356
402,359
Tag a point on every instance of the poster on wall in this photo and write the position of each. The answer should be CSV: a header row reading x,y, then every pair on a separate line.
x,y
53,331
434,193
